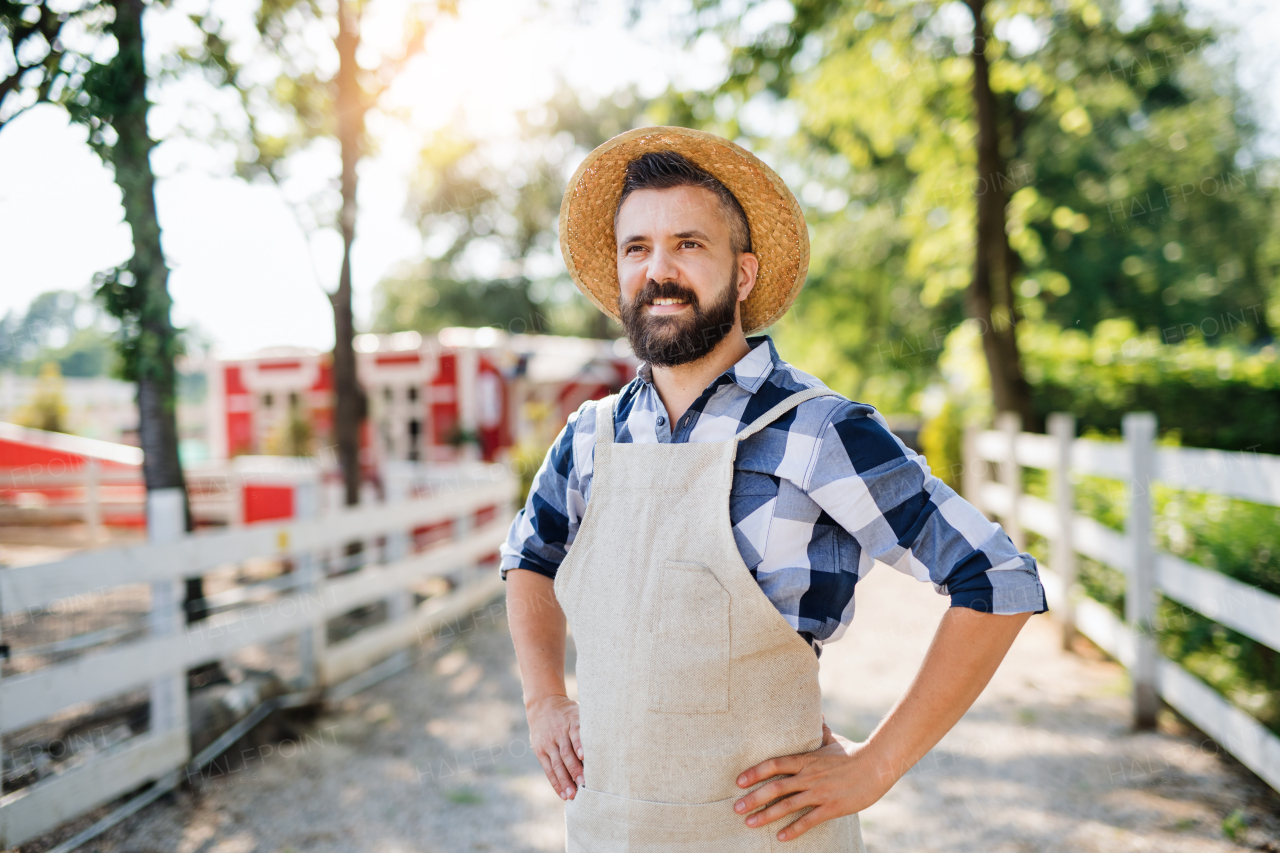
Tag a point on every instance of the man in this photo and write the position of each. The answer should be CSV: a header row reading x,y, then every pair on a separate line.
x,y
703,531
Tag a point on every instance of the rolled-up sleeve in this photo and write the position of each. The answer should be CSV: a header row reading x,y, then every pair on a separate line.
x,y
542,530
884,495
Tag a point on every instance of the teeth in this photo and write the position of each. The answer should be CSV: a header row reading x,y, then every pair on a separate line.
x,y
668,302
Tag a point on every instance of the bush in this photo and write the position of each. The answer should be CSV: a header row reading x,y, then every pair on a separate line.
x,y
1238,538
1191,387
941,441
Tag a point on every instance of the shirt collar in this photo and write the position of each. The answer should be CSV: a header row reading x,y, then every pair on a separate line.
x,y
748,372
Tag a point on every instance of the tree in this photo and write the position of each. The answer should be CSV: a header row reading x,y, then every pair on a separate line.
x,y
923,127
317,105
109,97
991,300
469,202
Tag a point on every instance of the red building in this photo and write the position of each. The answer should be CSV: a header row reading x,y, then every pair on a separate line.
x,y
464,393
459,395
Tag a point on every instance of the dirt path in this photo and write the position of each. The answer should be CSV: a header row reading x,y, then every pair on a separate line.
x,y
436,759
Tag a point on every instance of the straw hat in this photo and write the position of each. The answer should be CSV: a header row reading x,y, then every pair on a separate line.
x,y
779,237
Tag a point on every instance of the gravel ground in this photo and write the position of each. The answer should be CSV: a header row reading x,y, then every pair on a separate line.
x,y
436,759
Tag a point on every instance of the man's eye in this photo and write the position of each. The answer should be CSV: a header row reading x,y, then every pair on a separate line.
x,y
688,244
631,249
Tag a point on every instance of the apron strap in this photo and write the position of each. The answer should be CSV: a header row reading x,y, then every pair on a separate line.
x,y
782,408
604,419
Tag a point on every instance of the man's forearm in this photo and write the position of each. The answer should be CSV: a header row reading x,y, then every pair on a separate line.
x,y
966,650
537,632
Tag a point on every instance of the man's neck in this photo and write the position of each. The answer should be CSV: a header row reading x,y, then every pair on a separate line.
x,y
679,386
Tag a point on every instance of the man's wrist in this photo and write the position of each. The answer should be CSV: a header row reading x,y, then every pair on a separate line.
x,y
885,766
533,699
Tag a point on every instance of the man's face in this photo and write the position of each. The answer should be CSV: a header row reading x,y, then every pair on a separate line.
x,y
680,279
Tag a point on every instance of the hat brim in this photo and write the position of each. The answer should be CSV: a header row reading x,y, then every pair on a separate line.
x,y
779,237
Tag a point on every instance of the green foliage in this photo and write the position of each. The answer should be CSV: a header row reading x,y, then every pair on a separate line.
x,y
286,113
146,342
101,78
109,97
490,225
88,353
526,459
1235,825
1116,370
941,440
1102,500
293,436
1188,385
464,796
39,67
47,409
1238,538
411,301
1241,540
58,326
1136,192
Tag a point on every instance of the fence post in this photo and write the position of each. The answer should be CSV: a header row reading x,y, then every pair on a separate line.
x,y
166,522
93,500
400,603
1062,427
311,639
1140,602
1010,423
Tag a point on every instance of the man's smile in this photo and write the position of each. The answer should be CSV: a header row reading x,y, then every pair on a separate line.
x,y
667,305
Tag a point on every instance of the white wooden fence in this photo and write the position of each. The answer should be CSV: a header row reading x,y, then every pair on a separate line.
x,y
159,660
1148,571
98,495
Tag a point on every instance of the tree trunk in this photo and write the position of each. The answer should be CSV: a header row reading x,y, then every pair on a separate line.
x,y
990,299
156,344
349,403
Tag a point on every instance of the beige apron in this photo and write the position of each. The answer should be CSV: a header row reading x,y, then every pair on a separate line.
x,y
687,673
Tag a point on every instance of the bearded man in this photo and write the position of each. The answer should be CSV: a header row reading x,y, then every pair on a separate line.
x,y
702,534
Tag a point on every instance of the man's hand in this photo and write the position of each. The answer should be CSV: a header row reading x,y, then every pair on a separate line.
x,y
553,732
842,777
832,779
538,632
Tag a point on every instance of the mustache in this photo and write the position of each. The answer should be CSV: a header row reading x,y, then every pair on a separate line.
x,y
663,290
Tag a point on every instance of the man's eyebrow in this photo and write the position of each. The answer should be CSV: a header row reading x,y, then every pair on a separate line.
x,y
683,235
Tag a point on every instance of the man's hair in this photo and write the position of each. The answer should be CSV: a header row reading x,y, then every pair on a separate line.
x,y
662,170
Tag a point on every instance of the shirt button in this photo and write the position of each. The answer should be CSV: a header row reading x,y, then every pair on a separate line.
x,y
661,420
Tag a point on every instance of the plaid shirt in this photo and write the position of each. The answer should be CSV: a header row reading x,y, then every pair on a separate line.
x,y
817,498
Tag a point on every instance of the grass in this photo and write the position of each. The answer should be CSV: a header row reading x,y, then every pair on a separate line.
x,y
464,796
1235,825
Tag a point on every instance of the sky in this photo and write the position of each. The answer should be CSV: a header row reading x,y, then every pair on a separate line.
x,y
245,272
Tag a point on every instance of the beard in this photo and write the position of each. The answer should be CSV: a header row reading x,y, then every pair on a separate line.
x,y
672,340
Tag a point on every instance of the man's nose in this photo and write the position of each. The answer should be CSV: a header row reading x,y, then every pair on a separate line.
x,y
662,266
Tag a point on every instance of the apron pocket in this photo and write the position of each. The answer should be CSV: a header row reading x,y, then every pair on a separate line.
x,y
689,631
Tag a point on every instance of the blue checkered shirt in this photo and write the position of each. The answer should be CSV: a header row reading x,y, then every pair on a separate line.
x,y
817,498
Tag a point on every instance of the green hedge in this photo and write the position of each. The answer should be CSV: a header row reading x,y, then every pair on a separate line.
x,y
1238,538
1204,396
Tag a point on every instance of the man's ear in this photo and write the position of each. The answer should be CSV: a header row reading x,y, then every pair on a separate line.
x,y
748,267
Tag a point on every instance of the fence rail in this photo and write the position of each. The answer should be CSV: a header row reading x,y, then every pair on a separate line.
x,y
474,507
1147,570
